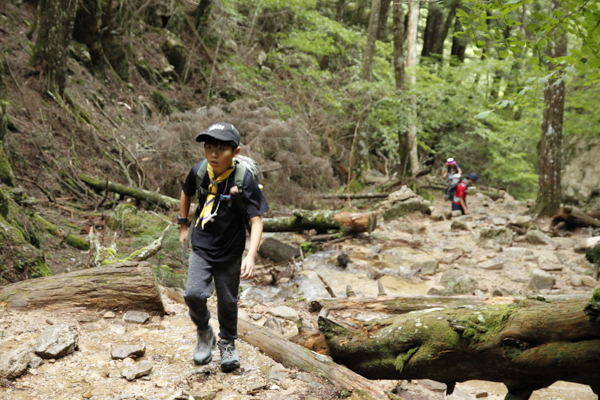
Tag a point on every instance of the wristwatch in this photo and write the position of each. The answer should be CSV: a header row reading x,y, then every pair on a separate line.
x,y
181,221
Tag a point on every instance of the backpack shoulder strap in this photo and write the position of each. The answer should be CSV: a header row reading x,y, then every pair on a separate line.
x,y
240,175
200,174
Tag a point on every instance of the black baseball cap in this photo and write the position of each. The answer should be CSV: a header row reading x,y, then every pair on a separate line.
x,y
473,176
222,131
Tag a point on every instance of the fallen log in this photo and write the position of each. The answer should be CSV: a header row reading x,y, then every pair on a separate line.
x,y
574,218
355,196
294,355
403,304
527,345
138,194
127,285
70,239
322,221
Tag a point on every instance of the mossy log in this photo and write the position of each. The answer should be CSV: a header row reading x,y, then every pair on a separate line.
x,y
72,240
292,354
527,345
138,194
403,304
322,221
128,285
574,217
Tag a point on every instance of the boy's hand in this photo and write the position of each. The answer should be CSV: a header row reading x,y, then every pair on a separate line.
x,y
247,268
183,235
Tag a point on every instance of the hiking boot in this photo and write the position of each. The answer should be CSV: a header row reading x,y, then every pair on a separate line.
x,y
203,350
229,355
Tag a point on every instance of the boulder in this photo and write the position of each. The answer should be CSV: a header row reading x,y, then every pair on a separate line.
x,y
14,363
458,225
136,317
429,267
137,370
57,341
403,208
133,351
501,236
540,280
457,281
277,251
539,237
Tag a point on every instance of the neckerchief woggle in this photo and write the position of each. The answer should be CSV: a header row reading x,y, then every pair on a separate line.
x,y
206,213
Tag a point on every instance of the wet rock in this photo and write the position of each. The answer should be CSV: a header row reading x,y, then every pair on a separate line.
x,y
501,236
434,386
459,226
539,237
138,370
285,313
343,260
516,252
541,280
429,267
57,341
457,281
277,251
133,351
136,317
14,363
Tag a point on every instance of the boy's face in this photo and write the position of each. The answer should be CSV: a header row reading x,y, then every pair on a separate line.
x,y
219,156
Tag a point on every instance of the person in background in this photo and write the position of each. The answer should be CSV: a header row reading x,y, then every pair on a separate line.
x,y
460,196
452,168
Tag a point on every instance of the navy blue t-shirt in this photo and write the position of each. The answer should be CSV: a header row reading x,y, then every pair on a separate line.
x,y
224,238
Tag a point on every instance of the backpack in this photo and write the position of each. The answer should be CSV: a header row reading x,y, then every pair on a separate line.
x,y
452,185
243,166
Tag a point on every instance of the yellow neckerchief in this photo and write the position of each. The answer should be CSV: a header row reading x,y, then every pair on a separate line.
x,y
206,213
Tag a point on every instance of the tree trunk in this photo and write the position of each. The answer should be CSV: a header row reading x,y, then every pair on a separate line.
x,y
384,14
128,285
433,27
340,8
411,64
201,14
437,47
550,157
291,354
139,194
322,221
88,23
371,38
459,45
527,346
53,40
3,103
398,33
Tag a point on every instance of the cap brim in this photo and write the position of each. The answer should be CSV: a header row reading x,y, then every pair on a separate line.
x,y
202,137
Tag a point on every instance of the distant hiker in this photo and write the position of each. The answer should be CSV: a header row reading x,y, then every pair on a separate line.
x,y
452,168
218,239
460,195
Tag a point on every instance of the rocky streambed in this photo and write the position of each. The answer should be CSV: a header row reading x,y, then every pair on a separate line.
x,y
115,356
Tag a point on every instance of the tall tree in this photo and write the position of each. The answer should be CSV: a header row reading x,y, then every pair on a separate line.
x,y
3,102
398,31
411,81
384,14
53,40
340,8
459,44
201,14
549,157
371,38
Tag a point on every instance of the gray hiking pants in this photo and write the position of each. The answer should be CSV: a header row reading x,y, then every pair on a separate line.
x,y
198,289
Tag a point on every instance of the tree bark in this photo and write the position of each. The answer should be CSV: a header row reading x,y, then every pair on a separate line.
x,y
128,285
371,38
139,194
459,45
340,8
438,44
411,64
433,26
291,354
404,304
53,40
398,33
3,103
527,346
88,23
322,221
573,217
384,13
550,157
201,14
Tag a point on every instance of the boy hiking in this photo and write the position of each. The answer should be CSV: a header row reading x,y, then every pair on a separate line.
x,y
218,239
459,202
